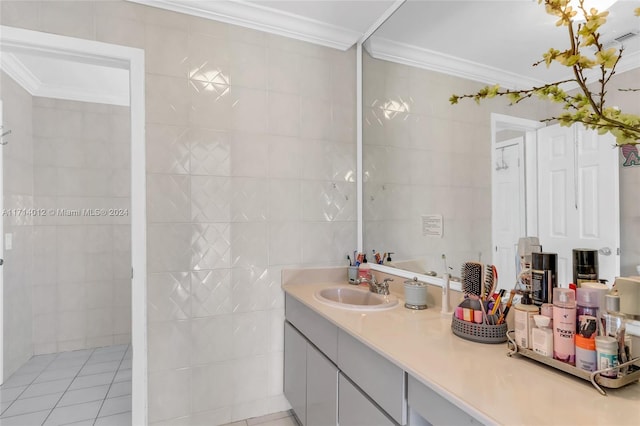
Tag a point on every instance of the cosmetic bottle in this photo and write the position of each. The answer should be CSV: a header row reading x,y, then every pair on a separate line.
x,y
587,302
607,353
542,336
544,267
587,311
564,325
615,325
523,318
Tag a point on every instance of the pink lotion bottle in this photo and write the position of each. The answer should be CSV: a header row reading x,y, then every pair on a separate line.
x,y
564,325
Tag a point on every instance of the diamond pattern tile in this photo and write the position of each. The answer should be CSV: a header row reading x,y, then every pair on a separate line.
x,y
212,292
249,245
168,198
210,152
211,199
167,149
169,247
169,296
210,246
250,333
251,289
328,201
249,200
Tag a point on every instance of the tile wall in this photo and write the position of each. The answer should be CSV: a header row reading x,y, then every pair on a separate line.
x,y
82,254
425,156
422,155
18,198
250,167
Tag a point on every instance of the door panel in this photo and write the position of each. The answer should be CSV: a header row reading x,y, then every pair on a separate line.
x,y
578,197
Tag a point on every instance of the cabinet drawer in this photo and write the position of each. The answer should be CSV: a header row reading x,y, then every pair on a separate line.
x,y
322,389
295,371
318,330
355,409
434,408
383,381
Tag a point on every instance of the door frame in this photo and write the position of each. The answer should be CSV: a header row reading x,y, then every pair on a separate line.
x,y
528,197
98,53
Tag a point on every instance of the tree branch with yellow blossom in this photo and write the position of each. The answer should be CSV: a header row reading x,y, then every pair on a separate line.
x,y
585,106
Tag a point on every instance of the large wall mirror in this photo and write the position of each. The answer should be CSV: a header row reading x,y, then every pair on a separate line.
x,y
426,160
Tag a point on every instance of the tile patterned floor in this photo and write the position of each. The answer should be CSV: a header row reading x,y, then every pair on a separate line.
x,y
86,387
283,418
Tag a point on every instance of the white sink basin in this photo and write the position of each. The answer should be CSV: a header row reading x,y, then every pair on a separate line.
x,y
355,299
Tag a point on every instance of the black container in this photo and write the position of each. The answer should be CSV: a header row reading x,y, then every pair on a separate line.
x,y
585,265
544,273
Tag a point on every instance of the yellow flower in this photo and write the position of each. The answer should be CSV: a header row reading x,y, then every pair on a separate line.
x,y
607,58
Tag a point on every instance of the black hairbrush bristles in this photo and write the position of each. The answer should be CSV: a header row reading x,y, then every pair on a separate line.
x,y
472,278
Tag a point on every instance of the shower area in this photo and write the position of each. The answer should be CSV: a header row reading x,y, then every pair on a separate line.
x,y
67,247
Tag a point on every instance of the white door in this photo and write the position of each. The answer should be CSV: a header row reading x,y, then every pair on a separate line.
x,y
578,197
509,213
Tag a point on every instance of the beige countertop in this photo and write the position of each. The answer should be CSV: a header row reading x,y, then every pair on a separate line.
x,y
478,378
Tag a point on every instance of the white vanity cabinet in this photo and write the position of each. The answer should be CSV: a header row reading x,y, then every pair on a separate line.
x,y
295,371
355,409
426,404
310,380
371,390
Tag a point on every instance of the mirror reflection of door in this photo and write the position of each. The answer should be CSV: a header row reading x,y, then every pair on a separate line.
x,y
565,192
509,210
578,197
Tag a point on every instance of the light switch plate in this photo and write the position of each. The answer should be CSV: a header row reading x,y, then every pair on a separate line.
x,y
8,241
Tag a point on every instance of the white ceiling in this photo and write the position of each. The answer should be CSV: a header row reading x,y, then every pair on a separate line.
x,y
487,41
498,41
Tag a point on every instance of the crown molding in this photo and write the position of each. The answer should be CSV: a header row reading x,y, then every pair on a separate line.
x,y
22,75
414,56
262,18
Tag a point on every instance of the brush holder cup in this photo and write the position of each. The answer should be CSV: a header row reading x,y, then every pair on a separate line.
x,y
481,333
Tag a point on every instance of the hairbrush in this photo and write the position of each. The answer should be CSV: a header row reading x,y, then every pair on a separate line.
x,y
472,278
490,281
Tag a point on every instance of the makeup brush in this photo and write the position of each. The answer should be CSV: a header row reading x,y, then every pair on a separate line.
x,y
503,315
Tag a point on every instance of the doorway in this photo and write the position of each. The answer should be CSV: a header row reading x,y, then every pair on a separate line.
x,y
91,54
569,198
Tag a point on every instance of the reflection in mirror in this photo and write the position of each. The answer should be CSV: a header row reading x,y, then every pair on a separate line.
x,y
423,157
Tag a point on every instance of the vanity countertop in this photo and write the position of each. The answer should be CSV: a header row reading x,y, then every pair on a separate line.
x,y
478,378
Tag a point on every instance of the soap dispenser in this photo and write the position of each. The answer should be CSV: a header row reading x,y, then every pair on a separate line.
x,y
364,271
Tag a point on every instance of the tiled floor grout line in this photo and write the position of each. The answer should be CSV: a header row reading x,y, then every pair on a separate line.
x,y
67,389
29,385
46,368
124,354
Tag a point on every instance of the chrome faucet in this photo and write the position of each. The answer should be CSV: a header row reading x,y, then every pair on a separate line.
x,y
374,286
